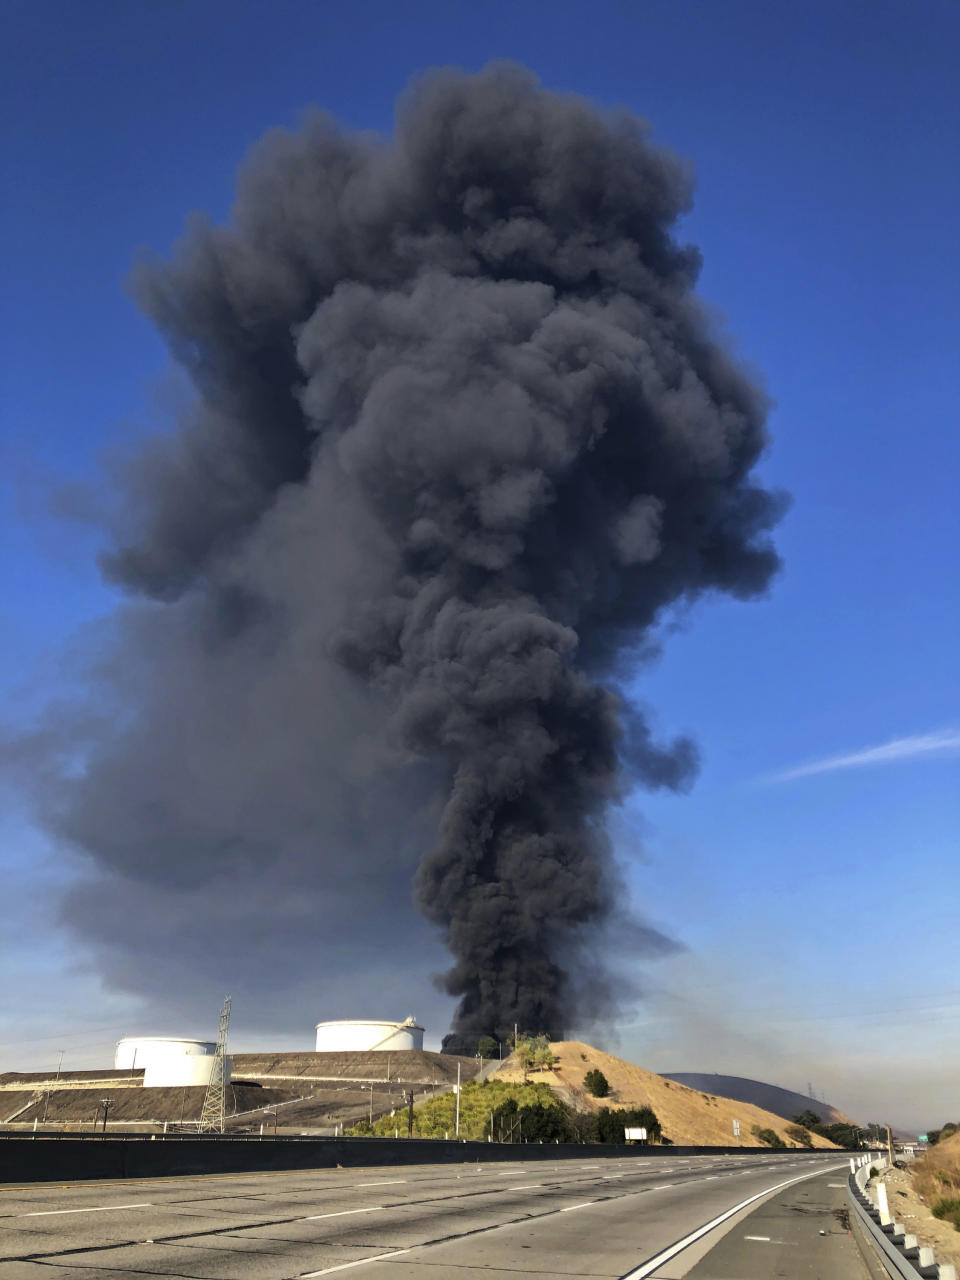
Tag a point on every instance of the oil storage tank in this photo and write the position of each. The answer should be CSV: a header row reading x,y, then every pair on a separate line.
x,y
168,1060
353,1036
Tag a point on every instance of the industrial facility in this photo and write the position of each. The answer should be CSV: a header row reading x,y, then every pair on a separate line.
x,y
360,1069
366,1037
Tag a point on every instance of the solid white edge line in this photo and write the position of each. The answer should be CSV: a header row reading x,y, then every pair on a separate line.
x,y
345,1266
100,1208
532,1186
342,1213
647,1268
570,1207
390,1182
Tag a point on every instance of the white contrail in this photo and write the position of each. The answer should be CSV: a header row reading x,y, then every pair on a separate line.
x,y
942,742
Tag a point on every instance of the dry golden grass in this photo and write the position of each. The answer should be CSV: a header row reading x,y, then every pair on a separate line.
x,y
689,1118
937,1173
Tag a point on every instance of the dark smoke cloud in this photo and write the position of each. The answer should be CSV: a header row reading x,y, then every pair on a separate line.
x,y
460,437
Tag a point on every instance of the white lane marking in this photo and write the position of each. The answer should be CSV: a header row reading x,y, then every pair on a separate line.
x,y
663,1188
342,1213
589,1166
100,1208
532,1186
611,1177
653,1264
570,1207
765,1239
389,1182
837,1185
345,1266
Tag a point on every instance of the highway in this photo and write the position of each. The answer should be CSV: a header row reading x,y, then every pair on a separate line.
x,y
609,1218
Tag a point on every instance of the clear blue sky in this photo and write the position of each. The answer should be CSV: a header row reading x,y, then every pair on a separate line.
x,y
820,912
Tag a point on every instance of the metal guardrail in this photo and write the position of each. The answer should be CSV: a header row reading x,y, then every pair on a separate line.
x,y
899,1251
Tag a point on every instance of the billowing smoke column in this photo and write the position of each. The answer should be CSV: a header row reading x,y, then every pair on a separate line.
x,y
460,436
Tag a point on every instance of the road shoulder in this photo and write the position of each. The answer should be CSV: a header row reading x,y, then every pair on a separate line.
x,y
802,1231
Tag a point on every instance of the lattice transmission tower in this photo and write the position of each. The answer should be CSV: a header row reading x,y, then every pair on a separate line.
x,y
212,1115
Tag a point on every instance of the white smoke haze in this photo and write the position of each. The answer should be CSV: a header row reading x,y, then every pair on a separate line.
x,y
461,436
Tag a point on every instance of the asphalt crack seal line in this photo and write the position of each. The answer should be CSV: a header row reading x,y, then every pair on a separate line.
x,y
652,1264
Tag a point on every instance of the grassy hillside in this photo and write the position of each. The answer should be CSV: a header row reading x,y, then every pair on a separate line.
x,y
688,1116
936,1175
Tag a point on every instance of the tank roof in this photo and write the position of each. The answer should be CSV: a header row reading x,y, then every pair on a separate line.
x,y
165,1040
370,1022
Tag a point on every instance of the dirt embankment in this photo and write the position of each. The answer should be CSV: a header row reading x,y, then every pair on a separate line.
x,y
688,1116
913,1191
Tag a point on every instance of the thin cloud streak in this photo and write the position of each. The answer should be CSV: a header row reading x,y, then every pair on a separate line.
x,y
943,742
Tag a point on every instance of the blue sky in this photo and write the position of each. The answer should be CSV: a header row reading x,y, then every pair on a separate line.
x,y
819,912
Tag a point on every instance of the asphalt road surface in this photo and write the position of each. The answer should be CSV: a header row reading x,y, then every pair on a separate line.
x,y
609,1218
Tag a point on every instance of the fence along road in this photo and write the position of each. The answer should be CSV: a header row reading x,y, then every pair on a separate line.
x,y
598,1218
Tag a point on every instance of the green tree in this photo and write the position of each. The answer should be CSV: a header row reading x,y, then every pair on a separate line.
x,y
525,1053
809,1119
596,1082
844,1135
488,1047
543,1056
612,1123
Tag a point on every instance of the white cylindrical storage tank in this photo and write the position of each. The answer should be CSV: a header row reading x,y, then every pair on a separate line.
x,y
168,1060
188,1069
353,1036
140,1051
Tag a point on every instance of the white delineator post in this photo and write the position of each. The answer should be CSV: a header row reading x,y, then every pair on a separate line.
x,y
457,1129
885,1218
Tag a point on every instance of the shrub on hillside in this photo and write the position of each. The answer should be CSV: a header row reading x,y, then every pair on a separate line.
x,y
799,1134
948,1209
769,1137
596,1082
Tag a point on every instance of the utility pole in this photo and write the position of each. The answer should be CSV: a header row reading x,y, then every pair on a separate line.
x,y
890,1145
212,1112
60,1062
410,1115
457,1129
106,1103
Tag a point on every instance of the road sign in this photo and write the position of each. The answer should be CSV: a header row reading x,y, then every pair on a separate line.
x,y
635,1135
922,1137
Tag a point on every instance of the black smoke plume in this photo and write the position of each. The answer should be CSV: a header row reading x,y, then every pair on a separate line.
x,y
460,436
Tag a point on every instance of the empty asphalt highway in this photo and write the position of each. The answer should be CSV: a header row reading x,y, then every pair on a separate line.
x,y
607,1218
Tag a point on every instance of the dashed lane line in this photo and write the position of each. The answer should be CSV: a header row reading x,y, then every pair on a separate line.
x,y
346,1266
341,1213
100,1208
